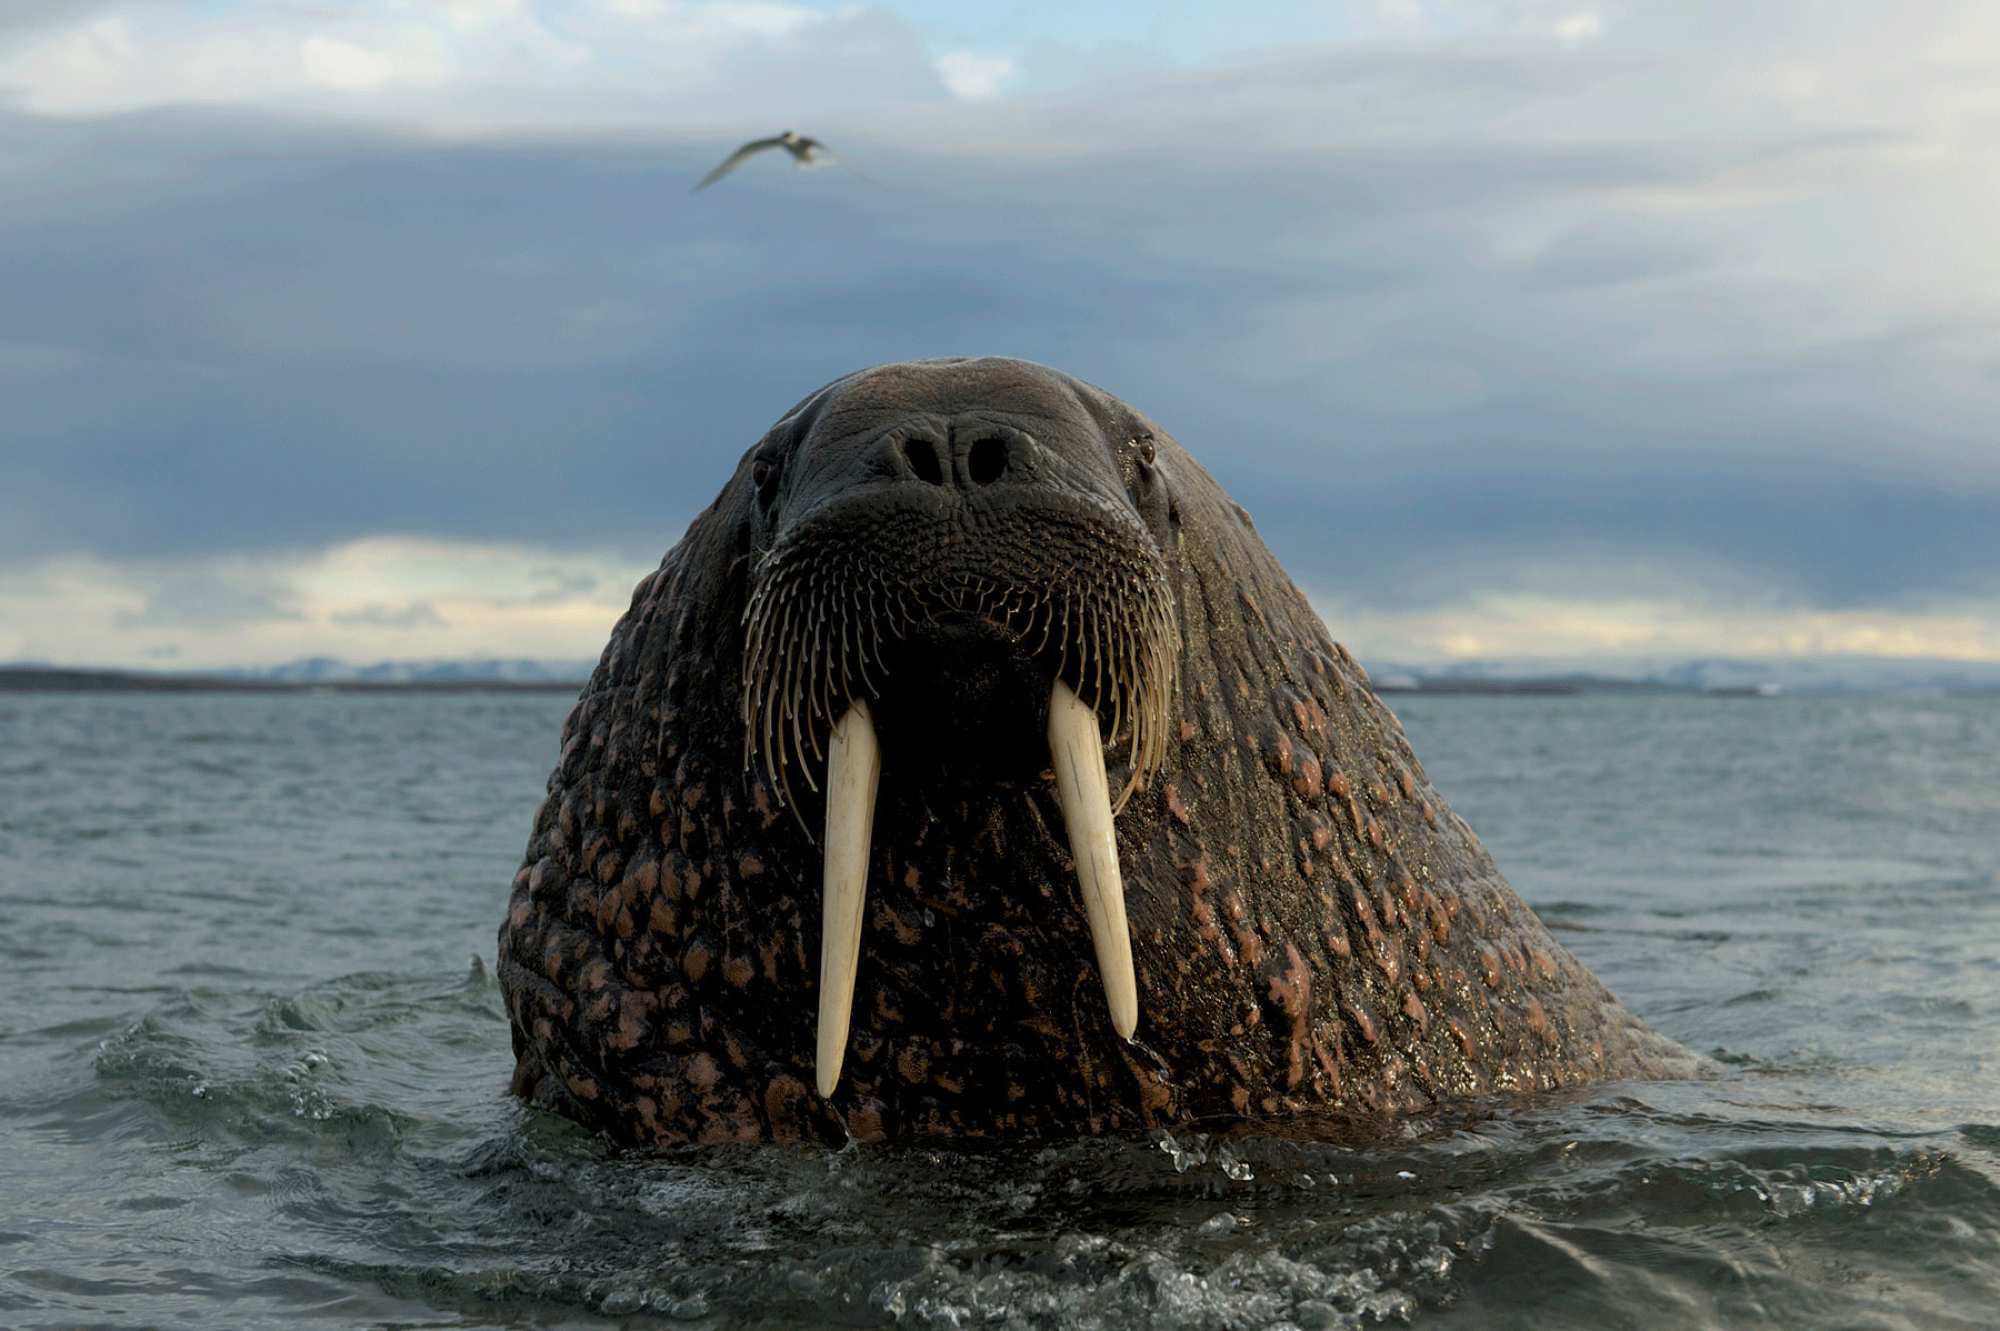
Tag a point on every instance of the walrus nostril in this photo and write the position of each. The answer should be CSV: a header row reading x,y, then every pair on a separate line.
x,y
987,461
923,458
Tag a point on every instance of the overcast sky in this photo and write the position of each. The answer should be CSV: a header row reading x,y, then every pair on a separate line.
x,y
389,328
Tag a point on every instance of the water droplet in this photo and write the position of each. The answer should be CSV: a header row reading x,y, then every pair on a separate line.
x,y
1233,1167
1185,1155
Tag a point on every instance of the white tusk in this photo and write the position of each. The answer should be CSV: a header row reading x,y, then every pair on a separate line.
x,y
1078,751
853,769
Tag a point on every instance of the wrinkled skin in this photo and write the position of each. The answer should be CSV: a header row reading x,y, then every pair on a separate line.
x,y
1313,928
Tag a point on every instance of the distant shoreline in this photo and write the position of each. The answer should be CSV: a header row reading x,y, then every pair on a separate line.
x,y
1399,683
1546,686
57,679
50,679
1540,687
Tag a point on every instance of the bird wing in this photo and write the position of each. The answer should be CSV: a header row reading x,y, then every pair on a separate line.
x,y
735,159
817,153
849,167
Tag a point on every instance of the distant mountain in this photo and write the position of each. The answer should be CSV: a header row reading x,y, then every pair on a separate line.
x,y
1808,675
332,670
316,673
1803,675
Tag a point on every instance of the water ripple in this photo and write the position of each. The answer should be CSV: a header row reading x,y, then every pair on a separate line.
x,y
249,1076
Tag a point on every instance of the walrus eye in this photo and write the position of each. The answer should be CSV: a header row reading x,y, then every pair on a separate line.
x,y
1145,445
764,475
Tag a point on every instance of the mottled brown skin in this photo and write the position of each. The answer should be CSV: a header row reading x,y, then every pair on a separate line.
x,y
1313,928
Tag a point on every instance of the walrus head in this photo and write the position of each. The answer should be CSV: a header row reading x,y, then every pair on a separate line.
x,y
970,767
964,576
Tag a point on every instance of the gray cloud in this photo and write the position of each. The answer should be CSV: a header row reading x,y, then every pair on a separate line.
x,y
560,588
468,68
19,16
1437,316
204,601
410,615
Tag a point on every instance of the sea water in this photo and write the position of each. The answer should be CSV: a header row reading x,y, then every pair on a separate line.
x,y
253,1061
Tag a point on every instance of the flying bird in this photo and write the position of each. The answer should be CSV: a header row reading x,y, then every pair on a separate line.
x,y
804,151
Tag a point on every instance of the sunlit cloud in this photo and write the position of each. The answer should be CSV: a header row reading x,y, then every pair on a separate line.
x,y
392,598
1526,626
383,598
1580,26
465,63
973,77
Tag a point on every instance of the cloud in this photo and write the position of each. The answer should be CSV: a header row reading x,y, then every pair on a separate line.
x,y
364,600
228,596
1464,308
25,15
1580,26
973,77
1743,534
409,615
391,598
1528,626
464,64
557,586
330,63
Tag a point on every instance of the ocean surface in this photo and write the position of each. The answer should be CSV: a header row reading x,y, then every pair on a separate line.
x,y
253,1062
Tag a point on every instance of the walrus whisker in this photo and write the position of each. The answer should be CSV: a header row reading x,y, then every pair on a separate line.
x,y
818,622
1118,695
798,742
1048,626
1097,667
868,685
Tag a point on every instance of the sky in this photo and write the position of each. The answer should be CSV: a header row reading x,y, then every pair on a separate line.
x,y
1586,329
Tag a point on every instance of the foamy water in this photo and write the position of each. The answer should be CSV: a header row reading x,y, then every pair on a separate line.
x,y
253,1061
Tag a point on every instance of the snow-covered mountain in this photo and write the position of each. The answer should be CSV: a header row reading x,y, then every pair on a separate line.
x,y
1804,675
332,670
1823,674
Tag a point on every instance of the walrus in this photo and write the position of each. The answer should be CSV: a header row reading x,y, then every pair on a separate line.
x,y
969,769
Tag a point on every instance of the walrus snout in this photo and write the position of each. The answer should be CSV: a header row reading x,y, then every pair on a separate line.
x,y
970,592
977,606
965,456
885,588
